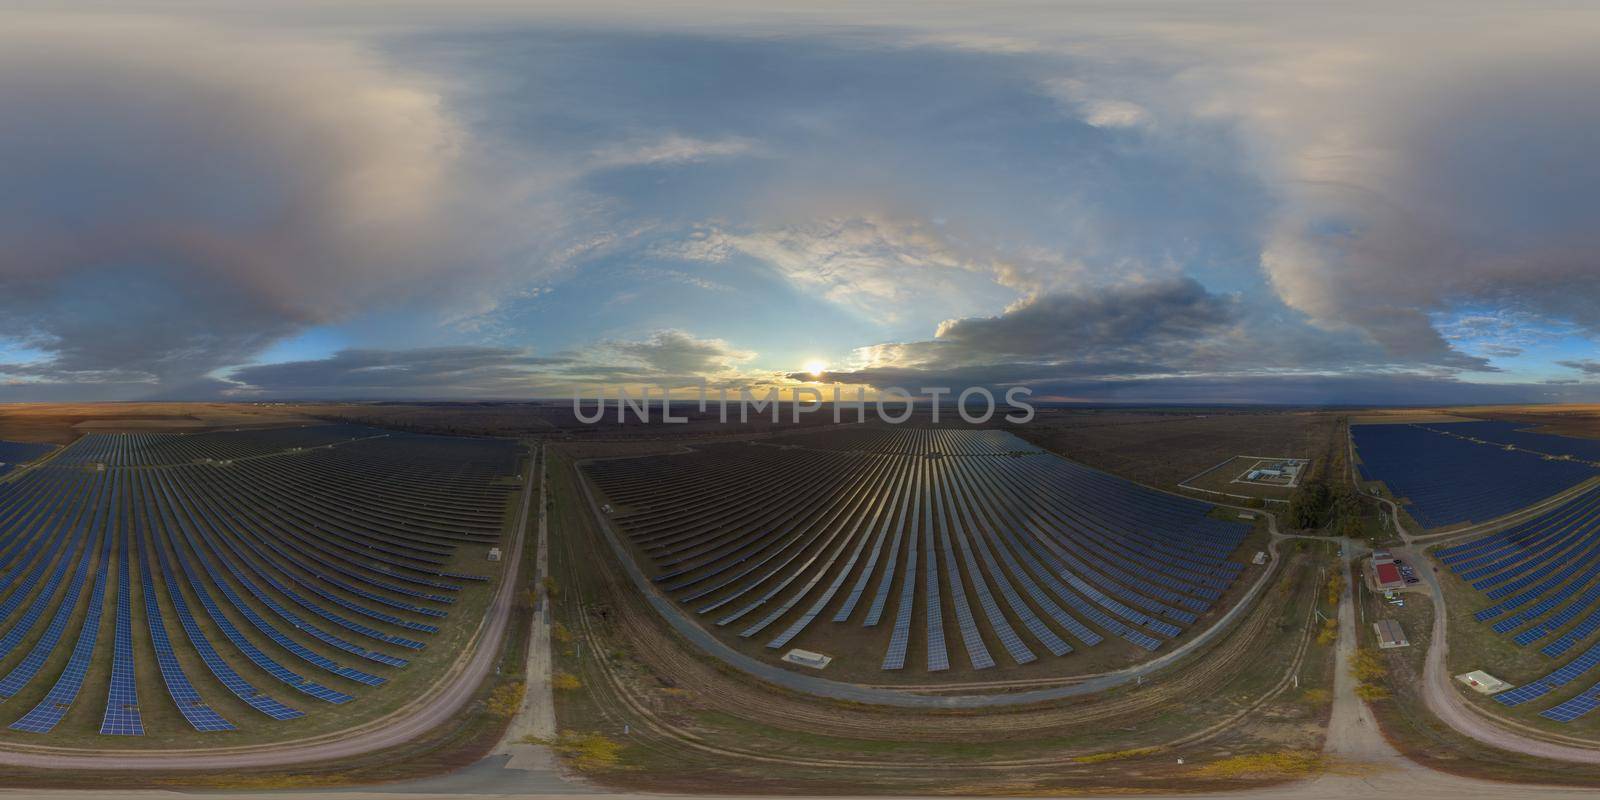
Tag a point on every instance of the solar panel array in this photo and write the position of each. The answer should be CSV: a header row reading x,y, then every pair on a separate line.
x,y
1446,474
15,455
314,560
1541,579
1002,550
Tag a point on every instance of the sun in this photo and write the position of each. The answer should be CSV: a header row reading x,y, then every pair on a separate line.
x,y
816,368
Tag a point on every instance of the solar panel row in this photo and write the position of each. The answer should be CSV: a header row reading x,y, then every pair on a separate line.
x,y
277,535
1544,576
990,540
1445,477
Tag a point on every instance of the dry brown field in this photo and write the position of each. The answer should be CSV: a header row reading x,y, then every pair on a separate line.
x,y
1164,448
63,423
1582,420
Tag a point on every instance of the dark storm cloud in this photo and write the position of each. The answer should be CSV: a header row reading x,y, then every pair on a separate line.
x,y
1149,316
1469,181
178,197
1156,327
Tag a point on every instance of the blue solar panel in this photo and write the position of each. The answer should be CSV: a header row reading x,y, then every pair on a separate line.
x,y
188,700
44,717
122,716
1031,548
1447,478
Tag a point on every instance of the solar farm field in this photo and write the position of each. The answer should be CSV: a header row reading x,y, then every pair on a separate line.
x,y
240,587
1452,473
14,455
917,555
1538,586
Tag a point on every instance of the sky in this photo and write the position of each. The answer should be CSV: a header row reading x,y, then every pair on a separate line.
x,y
1140,202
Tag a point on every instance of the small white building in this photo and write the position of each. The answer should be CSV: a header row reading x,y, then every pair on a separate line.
x,y
1483,682
1390,635
494,554
806,658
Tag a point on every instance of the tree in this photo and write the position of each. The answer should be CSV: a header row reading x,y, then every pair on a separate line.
x,y
1309,505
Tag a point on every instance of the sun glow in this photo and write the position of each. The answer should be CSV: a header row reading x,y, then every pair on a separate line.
x,y
816,368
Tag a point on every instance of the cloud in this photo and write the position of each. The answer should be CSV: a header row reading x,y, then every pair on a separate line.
x,y
1171,330
671,150
425,372
1095,109
670,357
181,196
1500,350
1587,366
673,353
1415,180
875,264
1151,316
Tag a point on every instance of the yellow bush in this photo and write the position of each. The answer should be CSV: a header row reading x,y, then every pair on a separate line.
x,y
1372,691
1329,633
1317,697
1366,665
506,699
1285,763
565,682
589,751
1116,755
559,633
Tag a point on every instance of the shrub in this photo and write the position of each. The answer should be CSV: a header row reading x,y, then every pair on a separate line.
x,y
506,699
1285,763
1365,665
1116,755
589,751
1328,635
1372,691
560,633
565,682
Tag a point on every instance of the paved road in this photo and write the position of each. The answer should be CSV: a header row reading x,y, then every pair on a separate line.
x,y
448,697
